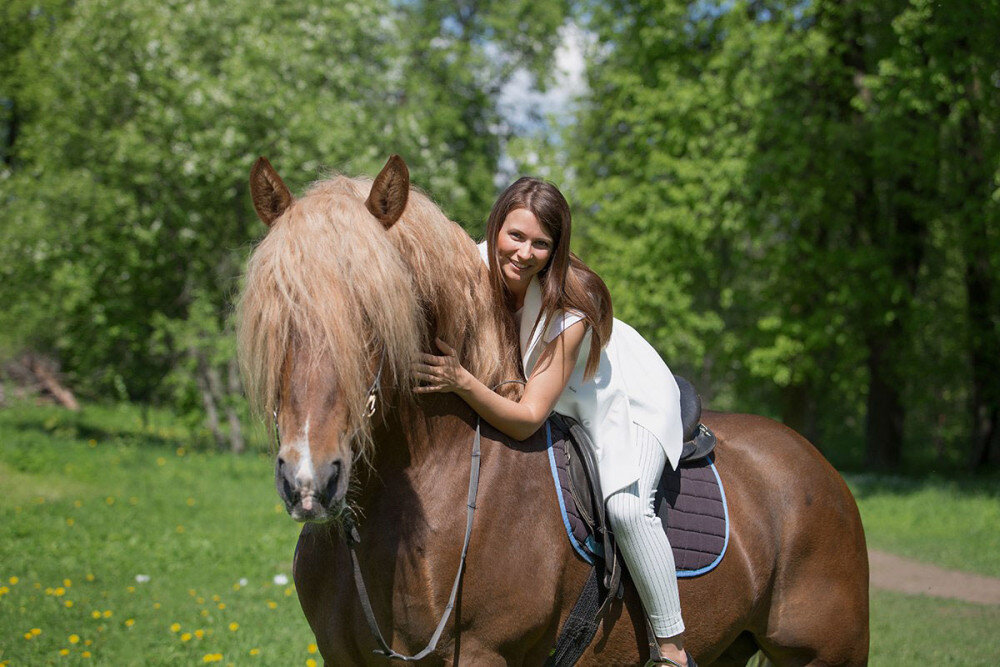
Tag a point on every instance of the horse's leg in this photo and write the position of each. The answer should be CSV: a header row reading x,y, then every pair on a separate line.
x,y
816,611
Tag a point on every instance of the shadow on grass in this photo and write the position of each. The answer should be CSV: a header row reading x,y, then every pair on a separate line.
x,y
959,485
122,423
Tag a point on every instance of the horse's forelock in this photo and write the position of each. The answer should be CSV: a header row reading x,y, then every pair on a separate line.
x,y
328,272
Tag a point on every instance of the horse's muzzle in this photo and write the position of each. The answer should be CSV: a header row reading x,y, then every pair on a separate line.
x,y
316,497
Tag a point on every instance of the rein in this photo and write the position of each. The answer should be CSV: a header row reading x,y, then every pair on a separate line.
x,y
352,538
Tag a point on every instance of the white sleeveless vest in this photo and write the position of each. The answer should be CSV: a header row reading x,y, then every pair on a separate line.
x,y
632,385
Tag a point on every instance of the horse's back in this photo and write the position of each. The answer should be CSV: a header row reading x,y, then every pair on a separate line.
x,y
797,540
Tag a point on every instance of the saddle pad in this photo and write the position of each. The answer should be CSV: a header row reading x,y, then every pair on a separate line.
x,y
690,502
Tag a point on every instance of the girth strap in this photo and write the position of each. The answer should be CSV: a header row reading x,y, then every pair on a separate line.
x,y
352,537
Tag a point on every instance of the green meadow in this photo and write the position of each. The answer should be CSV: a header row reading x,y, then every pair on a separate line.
x,y
121,545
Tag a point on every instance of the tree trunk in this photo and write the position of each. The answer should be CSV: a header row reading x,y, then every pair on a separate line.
x,y
236,441
47,378
208,399
884,428
977,214
798,410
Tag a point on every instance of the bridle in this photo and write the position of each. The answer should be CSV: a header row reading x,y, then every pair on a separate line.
x,y
352,538
370,402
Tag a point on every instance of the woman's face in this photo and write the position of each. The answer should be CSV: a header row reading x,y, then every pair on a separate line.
x,y
523,249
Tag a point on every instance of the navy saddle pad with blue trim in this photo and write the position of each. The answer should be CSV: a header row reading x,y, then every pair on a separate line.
x,y
690,502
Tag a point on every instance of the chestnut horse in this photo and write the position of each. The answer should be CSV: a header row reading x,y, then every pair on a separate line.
x,y
351,281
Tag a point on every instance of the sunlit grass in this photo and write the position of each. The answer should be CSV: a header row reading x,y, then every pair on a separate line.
x,y
126,543
118,552
953,523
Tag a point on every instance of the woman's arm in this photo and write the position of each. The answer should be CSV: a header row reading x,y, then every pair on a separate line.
x,y
517,419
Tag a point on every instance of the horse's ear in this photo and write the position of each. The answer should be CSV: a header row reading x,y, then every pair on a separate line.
x,y
270,195
390,192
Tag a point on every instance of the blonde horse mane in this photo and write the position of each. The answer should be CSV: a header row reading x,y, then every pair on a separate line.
x,y
329,278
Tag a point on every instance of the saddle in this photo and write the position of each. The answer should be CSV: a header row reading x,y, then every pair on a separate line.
x,y
689,501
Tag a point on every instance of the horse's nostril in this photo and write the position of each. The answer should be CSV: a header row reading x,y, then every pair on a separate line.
x,y
332,483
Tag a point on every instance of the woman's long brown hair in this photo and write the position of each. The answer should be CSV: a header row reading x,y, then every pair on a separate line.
x,y
566,282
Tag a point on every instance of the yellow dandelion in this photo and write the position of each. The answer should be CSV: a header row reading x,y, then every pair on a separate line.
x,y
236,586
175,627
160,461
28,635
91,442
130,589
70,521
204,612
271,604
13,581
278,509
110,500
49,590
190,502
156,605
95,614
64,651
88,642
180,529
310,663
216,598
35,631
129,623
59,591
289,591
4,590
234,626
107,613
85,654
89,577
186,637
74,639
192,592
222,605
255,651
68,603
37,585
199,633
212,657
77,503
180,451
67,583
200,600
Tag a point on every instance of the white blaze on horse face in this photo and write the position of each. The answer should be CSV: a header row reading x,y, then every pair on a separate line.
x,y
305,473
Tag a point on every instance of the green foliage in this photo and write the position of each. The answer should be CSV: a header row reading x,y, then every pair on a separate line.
x,y
772,193
126,214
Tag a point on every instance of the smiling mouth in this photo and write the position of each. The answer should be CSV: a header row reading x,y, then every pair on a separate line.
x,y
519,266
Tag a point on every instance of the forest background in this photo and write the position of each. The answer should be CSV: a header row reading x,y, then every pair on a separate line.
x,y
798,203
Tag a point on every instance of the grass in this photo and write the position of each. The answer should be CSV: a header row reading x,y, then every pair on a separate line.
x,y
953,523
918,630
96,499
87,517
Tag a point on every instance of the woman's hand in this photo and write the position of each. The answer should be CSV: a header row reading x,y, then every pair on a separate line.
x,y
440,374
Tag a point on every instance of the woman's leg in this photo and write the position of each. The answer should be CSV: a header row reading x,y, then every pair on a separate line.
x,y
644,545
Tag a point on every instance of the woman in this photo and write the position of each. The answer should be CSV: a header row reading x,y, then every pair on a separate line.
x,y
607,378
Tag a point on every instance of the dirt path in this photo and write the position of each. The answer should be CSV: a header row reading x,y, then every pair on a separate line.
x,y
895,573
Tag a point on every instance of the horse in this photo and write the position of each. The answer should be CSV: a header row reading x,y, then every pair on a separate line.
x,y
350,282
